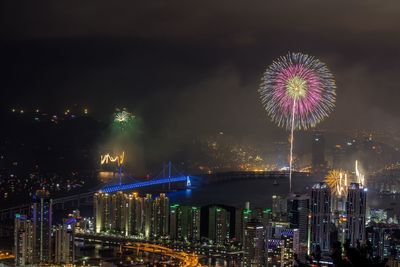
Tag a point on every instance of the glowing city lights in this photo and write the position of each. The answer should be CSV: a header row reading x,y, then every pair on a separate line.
x,y
186,259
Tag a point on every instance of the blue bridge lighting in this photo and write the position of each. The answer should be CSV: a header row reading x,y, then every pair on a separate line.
x,y
123,187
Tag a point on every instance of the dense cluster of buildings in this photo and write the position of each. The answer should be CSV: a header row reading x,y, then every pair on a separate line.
x,y
37,240
306,225
294,226
297,224
129,215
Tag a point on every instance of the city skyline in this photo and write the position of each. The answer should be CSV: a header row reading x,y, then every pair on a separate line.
x,y
200,133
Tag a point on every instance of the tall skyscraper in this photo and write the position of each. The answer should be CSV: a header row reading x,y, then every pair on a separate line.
x,y
264,216
356,212
102,211
282,245
320,216
218,224
318,153
148,219
279,208
242,217
298,211
291,245
161,216
23,240
277,228
184,223
380,238
175,222
135,214
64,238
119,212
42,222
194,224
275,252
254,244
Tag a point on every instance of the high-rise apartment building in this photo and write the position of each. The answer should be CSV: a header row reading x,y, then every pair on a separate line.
x,y
175,222
279,208
135,214
242,217
380,237
218,224
290,246
184,223
254,244
161,216
298,209
276,229
148,219
356,212
320,216
275,252
194,224
64,238
102,212
23,240
264,216
119,212
42,222
283,243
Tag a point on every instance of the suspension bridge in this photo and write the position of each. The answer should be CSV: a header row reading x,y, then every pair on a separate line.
x,y
169,176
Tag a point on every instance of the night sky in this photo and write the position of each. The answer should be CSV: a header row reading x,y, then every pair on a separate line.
x,y
191,67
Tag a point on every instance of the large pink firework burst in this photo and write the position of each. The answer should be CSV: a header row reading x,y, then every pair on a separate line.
x,y
298,91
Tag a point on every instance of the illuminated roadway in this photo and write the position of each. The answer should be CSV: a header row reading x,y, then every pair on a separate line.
x,y
186,259
5,255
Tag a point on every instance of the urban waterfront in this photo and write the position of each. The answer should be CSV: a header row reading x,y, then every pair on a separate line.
x,y
193,134
238,200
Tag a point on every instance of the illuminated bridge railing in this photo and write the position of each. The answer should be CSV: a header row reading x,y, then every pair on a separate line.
x,y
123,187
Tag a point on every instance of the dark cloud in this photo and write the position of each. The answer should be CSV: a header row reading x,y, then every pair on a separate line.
x,y
194,21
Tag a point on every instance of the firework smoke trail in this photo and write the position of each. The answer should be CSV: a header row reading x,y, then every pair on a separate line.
x,y
291,147
297,91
